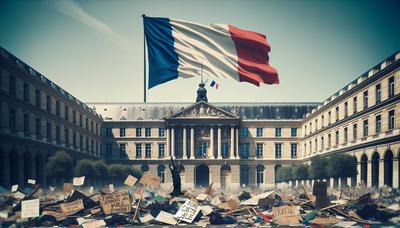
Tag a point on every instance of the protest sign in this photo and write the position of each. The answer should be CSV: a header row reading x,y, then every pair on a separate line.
x,y
111,187
118,202
146,218
284,211
94,224
19,195
78,181
30,181
187,212
59,216
67,188
201,197
150,180
14,188
206,210
30,208
166,217
130,181
91,190
72,208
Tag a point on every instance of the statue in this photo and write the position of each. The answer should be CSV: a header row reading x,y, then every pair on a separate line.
x,y
176,178
201,93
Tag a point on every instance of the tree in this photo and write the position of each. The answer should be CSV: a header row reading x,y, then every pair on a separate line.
x,y
60,165
85,168
318,168
342,165
118,172
100,170
135,172
300,172
286,173
278,174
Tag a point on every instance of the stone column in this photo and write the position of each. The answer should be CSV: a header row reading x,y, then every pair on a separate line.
x,y
143,155
215,175
211,155
235,176
173,143
358,173
331,183
219,144
237,143
167,155
184,149
369,174
395,173
252,175
5,171
232,156
381,173
189,176
191,143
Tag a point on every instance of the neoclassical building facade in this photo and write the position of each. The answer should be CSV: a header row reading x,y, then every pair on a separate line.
x,y
227,144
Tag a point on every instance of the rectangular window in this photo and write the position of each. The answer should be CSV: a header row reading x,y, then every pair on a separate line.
x,y
354,105
87,123
48,131
81,142
391,86
74,117
337,138
293,150
329,140
13,125
260,150
138,150
329,118
38,98
378,93
365,99
345,134
26,125
224,150
66,113
12,88
245,132
148,150
108,150
259,132
122,151
74,139
201,152
48,103
365,128
391,119
66,137
316,124
92,126
57,108
305,129
378,124
122,132
26,92
80,120
148,132
346,109
293,132
337,113
278,150
322,143
108,131
38,128
161,132
58,135
161,150
87,144
244,150
316,145
138,132
355,131
278,132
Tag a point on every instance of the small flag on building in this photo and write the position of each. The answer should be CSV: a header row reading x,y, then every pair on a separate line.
x,y
214,84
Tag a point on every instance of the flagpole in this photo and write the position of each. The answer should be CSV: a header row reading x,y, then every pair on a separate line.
x,y
144,64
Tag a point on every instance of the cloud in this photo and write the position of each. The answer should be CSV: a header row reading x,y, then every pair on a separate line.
x,y
72,9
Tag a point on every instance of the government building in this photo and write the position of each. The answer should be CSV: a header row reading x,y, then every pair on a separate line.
x,y
227,144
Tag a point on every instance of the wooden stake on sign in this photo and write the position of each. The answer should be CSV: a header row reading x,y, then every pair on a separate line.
x,y
305,191
138,207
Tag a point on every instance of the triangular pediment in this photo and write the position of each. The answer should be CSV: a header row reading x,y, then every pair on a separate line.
x,y
203,110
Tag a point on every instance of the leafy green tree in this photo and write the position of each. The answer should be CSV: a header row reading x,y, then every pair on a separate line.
x,y
318,168
100,170
118,172
286,173
85,168
300,172
342,165
60,165
278,175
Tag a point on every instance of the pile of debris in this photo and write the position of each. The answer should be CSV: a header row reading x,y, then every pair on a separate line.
x,y
143,202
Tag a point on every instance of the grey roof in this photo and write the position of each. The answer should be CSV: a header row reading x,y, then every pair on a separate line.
x,y
157,111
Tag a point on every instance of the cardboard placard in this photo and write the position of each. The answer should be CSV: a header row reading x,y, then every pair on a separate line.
x,y
188,212
166,217
150,180
91,190
78,181
72,208
229,205
19,195
94,224
130,181
146,218
254,200
284,211
30,208
118,202
67,188
289,220
14,188
59,216
206,210
30,181
111,187
201,196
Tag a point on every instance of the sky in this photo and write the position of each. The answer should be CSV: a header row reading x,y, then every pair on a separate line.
x,y
94,49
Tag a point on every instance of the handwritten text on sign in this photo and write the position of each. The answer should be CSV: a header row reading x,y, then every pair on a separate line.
x,y
72,208
188,211
118,202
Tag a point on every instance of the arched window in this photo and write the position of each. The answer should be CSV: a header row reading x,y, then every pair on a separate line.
x,y
244,175
260,174
144,168
161,173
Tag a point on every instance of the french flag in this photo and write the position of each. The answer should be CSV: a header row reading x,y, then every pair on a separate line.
x,y
178,48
